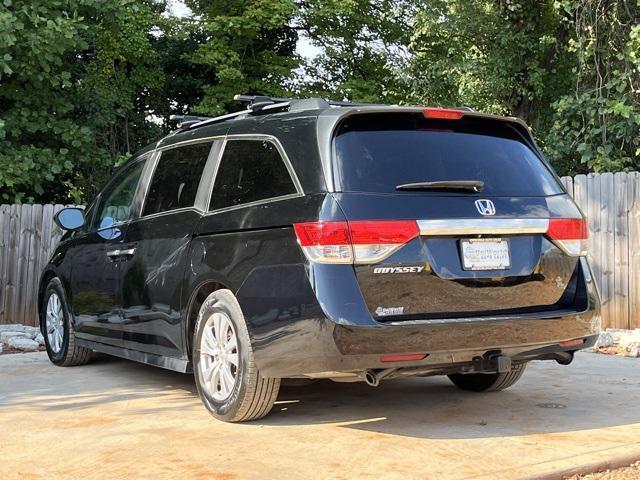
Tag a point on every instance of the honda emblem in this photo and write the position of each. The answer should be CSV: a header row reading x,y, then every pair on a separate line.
x,y
485,207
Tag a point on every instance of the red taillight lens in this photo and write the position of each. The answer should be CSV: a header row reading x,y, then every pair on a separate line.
x,y
443,113
383,232
313,234
354,242
570,234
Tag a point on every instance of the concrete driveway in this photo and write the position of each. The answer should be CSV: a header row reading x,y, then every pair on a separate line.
x,y
117,419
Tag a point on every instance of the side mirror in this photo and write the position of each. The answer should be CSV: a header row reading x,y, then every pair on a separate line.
x,y
69,218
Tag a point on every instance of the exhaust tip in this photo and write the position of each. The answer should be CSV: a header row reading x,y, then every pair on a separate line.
x,y
564,358
371,378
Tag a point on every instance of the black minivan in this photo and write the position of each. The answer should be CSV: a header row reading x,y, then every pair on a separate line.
x,y
315,239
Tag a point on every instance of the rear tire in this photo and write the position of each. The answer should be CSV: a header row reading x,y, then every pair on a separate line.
x,y
227,378
59,335
488,382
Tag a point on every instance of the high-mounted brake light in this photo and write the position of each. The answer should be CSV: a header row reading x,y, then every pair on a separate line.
x,y
365,241
569,234
443,113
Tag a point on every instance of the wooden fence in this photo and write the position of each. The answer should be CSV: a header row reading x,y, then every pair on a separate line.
x,y
610,201
28,237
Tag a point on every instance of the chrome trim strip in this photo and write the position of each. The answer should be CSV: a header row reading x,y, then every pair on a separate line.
x,y
253,204
170,212
120,253
478,226
563,312
187,142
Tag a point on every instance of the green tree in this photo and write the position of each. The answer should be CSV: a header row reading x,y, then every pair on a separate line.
x,y
364,48
74,77
250,46
597,126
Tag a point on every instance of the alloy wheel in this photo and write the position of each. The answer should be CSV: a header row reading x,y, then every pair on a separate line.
x,y
219,357
55,323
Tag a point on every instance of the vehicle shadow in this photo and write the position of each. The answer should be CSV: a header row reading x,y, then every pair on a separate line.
x,y
548,399
595,392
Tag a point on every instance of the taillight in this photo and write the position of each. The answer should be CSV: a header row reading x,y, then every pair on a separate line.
x,y
569,234
354,242
443,113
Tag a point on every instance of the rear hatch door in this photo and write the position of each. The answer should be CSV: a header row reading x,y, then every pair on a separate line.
x,y
482,201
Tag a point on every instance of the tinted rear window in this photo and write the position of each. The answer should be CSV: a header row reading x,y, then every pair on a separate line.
x,y
250,171
176,178
375,153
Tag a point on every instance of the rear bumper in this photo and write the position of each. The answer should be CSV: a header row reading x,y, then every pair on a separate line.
x,y
325,345
322,350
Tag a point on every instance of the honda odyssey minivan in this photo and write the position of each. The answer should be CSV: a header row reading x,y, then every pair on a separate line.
x,y
314,239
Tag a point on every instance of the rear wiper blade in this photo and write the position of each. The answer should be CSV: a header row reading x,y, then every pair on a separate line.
x,y
465,185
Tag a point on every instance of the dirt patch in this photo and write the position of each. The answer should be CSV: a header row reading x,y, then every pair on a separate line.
x,y
9,350
631,472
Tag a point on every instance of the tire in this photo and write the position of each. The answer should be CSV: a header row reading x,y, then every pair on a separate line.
x,y
488,382
59,337
250,396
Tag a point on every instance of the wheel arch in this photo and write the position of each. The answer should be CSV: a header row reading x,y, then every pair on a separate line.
x,y
196,298
48,274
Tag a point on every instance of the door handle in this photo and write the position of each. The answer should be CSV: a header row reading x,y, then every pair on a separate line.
x,y
121,253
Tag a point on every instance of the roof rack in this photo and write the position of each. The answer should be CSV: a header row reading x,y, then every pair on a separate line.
x,y
184,121
262,104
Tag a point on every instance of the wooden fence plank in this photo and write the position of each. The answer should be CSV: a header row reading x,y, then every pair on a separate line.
x,y
621,252
5,220
35,248
12,274
607,220
580,191
568,184
633,220
23,252
595,236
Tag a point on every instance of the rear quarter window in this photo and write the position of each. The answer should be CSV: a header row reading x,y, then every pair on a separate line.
x,y
377,152
250,171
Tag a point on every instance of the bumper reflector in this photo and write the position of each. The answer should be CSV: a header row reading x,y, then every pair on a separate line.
x,y
405,357
572,343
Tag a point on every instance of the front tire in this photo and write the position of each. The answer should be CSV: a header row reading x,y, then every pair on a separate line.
x,y
59,336
228,381
488,382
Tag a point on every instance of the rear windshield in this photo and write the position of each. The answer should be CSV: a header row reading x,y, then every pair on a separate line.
x,y
377,152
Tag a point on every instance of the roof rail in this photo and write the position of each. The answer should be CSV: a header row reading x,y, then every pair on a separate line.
x,y
260,101
262,104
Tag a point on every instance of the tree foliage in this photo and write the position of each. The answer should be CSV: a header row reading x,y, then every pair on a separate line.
x,y
74,74
569,68
250,46
85,83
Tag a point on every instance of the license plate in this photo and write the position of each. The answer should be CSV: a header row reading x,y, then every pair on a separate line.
x,y
485,254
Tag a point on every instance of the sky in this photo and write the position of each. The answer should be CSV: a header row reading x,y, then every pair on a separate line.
x,y
304,47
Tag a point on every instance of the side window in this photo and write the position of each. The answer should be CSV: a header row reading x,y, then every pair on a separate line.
x,y
250,170
114,205
175,181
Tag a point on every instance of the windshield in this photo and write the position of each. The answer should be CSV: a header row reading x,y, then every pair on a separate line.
x,y
378,152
